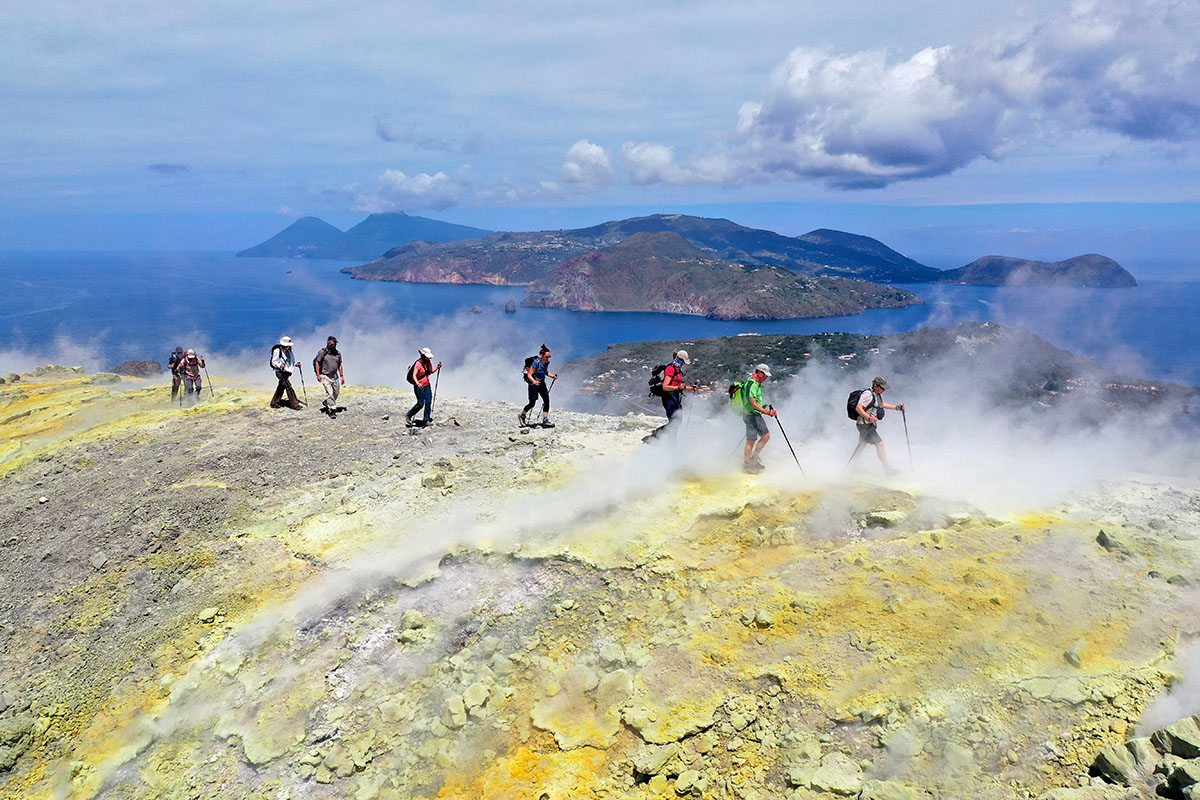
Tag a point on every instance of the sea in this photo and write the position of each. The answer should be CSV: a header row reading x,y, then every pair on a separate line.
x,y
103,308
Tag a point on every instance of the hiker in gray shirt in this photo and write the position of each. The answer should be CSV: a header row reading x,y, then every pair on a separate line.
x,y
328,367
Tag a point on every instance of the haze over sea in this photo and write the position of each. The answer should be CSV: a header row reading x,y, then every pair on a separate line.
x,y
105,307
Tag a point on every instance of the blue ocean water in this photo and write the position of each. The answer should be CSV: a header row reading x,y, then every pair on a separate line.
x,y
122,306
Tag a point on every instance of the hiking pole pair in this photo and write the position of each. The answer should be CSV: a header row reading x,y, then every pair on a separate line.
x,y
433,399
785,439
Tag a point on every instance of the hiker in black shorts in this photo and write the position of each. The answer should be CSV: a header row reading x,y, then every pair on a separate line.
x,y
867,414
536,372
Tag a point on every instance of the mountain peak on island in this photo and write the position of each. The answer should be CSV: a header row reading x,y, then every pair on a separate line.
x,y
311,237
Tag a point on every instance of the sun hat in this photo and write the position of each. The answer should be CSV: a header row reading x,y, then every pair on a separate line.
x,y
425,351
682,355
764,369
285,341
880,382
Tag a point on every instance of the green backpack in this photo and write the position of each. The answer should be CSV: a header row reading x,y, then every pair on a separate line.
x,y
736,399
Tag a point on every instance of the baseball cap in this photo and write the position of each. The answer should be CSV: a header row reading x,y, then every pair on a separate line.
x,y
880,382
682,355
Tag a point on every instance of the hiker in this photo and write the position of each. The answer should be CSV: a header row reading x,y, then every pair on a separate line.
x,y
671,390
327,366
173,362
418,376
753,410
283,362
189,369
537,369
866,414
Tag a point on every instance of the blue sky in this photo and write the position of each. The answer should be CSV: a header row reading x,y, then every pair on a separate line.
x,y
941,127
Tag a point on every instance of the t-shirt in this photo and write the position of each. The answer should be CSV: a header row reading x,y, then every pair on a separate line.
x,y
328,362
540,369
866,399
670,375
421,371
752,389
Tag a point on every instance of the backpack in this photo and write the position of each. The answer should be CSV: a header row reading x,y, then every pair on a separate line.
x,y
657,375
409,377
529,362
852,405
271,358
736,402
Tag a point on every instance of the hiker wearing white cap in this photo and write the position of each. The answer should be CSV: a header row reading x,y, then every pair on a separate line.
x,y
418,376
283,362
670,390
757,435
867,410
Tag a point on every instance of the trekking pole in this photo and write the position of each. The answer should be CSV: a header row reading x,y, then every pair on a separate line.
x,y
302,386
433,399
785,439
211,394
904,417
853,456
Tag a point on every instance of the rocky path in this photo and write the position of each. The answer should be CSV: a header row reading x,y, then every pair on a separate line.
x,y
231,601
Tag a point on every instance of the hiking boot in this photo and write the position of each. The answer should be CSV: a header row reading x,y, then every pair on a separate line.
x,y
521,419
546,423
420,423
749,468
757,463
332,414
324,409
890,471
296,407
339,409
276,405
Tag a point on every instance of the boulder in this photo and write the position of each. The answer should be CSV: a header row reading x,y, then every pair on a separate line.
x,y
886,790
1074,653
1185,774
16,736
1116,764
138,369
1114,543
1181,739
651,759
838,774
885,519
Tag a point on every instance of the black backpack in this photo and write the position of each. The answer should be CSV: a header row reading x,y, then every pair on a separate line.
x,y
271,358
852,405
657,374
525,372
409,377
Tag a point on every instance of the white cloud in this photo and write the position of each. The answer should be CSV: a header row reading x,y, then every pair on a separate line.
x,y
586,167
869,119
396,191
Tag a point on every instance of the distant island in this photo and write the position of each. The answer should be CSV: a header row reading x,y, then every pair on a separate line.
x,y
664,272
672,263
310,237
1090,271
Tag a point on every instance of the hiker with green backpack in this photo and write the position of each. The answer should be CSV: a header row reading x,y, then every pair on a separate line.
x,y
666,381
537,369
866,407
747,399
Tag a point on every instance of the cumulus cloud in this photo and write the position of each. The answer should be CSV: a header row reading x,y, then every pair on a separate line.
x,y
587,167
397,191
869,119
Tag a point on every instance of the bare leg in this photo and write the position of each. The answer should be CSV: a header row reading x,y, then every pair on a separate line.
x,y
762,441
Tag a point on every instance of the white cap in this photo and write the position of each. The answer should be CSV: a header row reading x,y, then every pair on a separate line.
x,y
425,351
683,356
286,341
764,369
190,353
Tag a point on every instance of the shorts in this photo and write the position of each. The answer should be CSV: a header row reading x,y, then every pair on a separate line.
x,y
756,427
868,435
